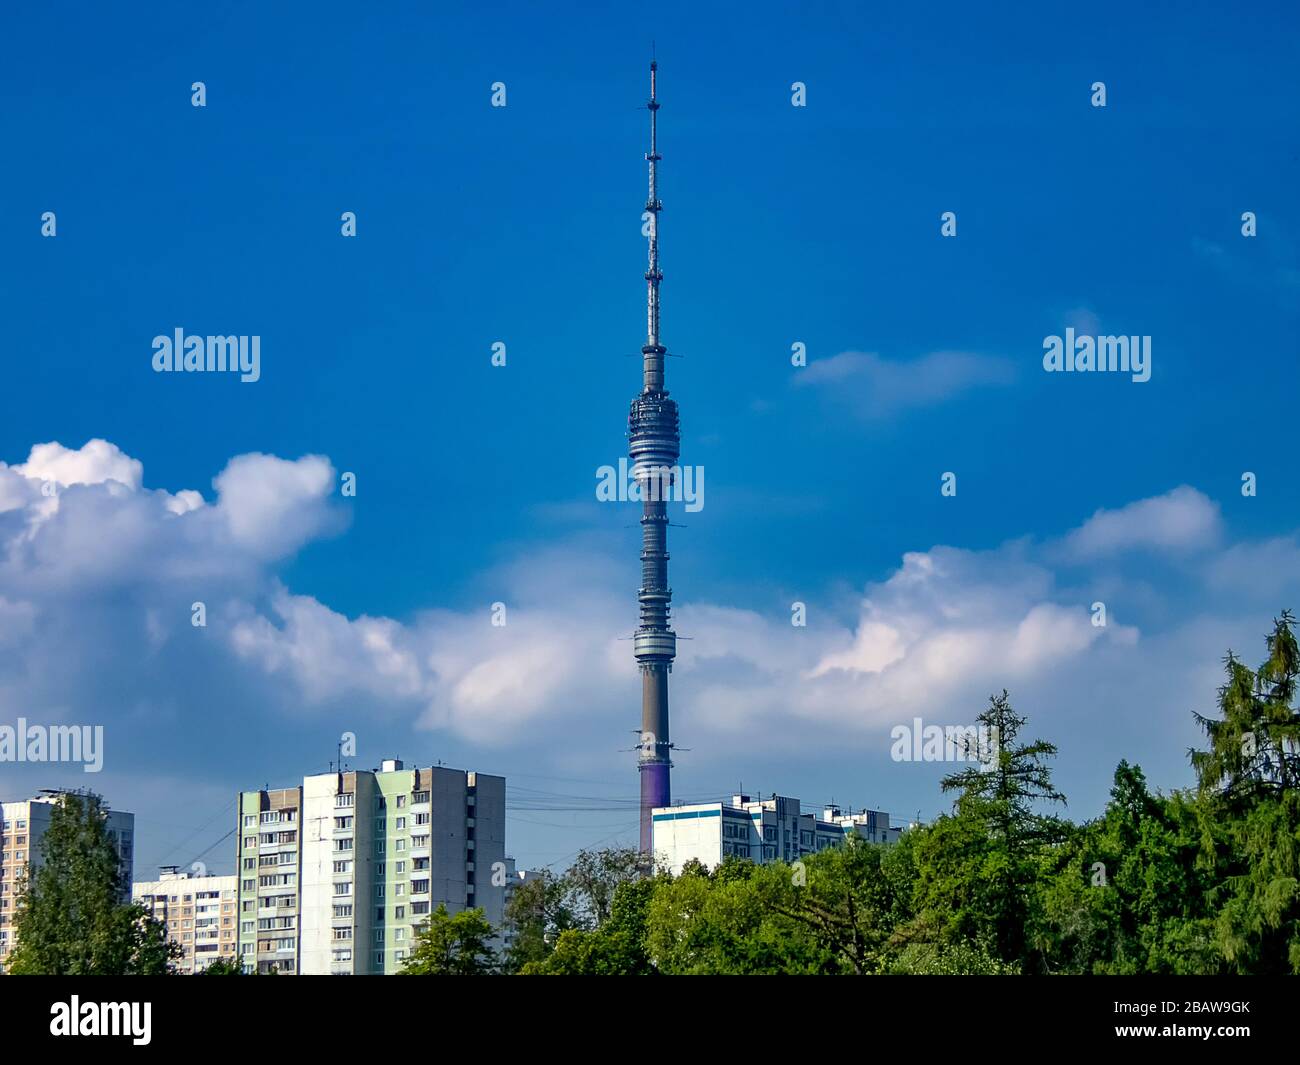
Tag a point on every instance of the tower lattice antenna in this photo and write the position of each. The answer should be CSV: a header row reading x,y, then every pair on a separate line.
x,y
653,351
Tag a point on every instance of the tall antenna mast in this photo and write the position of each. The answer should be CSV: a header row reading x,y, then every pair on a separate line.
x,y
655,442
653,352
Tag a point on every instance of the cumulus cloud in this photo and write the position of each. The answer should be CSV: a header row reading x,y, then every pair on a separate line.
x,y
272,507
97,582
940,632
96,462
1181,520
875,387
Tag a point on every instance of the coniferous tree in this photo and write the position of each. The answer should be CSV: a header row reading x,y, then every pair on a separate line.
x,y
1254,745
978,868
1249,792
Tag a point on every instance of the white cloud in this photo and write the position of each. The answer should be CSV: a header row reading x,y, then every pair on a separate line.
x,y
95,620
96,462
1181,520
272,507
875,387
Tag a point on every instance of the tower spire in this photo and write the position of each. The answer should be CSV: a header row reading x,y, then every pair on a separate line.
x,y
653,362
655,441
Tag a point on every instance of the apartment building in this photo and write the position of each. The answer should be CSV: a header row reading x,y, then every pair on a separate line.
x,y
199,913
337,875
762,830
268,860
22,824
514,878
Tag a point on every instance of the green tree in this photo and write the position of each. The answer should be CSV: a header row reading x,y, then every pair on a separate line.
x,y
539,911
615,947
223,967
850,900
1132,892
978,869
595,877
453,945
1249,791
1254,749
730,922
70,917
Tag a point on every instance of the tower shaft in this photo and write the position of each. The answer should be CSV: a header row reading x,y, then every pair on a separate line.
x,y
655,441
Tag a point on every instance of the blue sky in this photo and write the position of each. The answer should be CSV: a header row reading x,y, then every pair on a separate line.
x,y
521,224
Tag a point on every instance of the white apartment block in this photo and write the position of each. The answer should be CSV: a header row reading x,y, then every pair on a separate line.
x,y
199,913
762,830
337,876
22,824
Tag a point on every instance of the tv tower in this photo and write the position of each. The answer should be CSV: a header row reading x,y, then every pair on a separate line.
x,y
655,442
